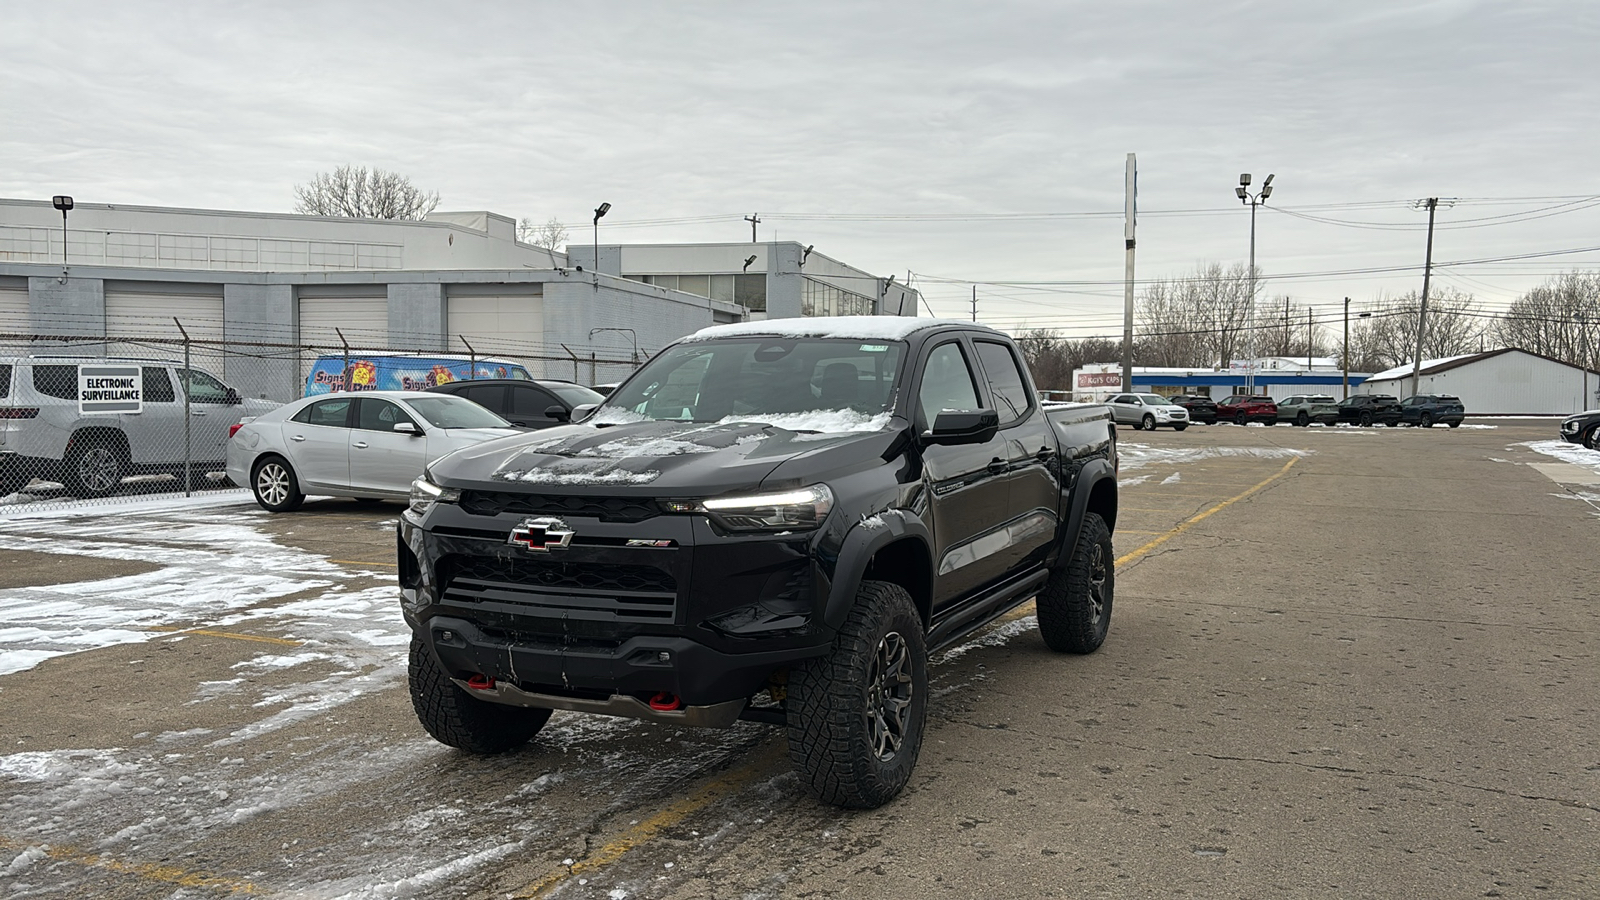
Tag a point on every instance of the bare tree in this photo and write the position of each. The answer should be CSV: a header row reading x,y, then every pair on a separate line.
x,y
550,235
1199,320
1052,358
1389,338
1283,328
1559,318
360,193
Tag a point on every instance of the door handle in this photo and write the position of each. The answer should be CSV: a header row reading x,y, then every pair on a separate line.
x,y
197,412
997,466
361,445
297,437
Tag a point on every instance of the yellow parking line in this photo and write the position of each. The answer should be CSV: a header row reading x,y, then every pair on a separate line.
x,y
231,635
1198,517
638,834
354,562
148,871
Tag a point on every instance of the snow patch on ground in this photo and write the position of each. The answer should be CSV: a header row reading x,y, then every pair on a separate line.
x,y
1136,456
996,637
1572,453
1129,482
1174,478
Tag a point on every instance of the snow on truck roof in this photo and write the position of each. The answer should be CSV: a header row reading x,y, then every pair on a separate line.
x,y
867,328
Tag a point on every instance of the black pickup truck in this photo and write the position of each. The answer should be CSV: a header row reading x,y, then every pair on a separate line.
x,y
775,521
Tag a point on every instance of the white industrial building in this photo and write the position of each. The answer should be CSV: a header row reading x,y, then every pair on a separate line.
x,y
457,282
1498,382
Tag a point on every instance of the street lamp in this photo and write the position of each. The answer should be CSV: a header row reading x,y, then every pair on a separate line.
x,y
63,203
748,261
599,213
1254,200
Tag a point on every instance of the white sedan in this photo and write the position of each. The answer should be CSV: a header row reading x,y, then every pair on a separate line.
x,y
369,445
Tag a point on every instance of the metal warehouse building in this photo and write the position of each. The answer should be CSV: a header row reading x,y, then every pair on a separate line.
x,y
457,283
1499,382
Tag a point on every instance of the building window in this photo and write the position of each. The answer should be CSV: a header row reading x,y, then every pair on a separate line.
x,y
750,291
820,299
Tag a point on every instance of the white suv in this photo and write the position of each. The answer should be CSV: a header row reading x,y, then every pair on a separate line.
x,y
44,435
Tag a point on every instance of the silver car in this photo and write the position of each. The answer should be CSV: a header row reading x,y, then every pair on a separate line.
x,y
1147,411
369,445
1303,409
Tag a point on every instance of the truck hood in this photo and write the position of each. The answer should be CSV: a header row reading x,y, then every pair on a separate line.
x,y
653,458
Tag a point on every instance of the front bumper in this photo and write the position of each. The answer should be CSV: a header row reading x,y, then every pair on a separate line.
x,y
602,625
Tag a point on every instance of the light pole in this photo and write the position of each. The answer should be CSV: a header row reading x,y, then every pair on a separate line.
x,y
63,203
1254,200
599,213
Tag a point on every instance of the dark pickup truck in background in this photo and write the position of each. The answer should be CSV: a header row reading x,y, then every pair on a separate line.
x,y
776,521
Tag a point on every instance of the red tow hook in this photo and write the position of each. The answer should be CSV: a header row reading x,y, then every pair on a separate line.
x,y
666,702
480,682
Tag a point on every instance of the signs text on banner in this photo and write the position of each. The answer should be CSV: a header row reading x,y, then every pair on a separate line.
x,y
1099,379
110,390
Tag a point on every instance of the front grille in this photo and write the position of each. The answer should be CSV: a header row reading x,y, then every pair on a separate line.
x,y
561,589
606,509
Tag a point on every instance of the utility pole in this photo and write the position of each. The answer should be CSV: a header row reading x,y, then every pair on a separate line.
x,y
1308,339
1346,348
1432,203
1130,211
974,303
754,220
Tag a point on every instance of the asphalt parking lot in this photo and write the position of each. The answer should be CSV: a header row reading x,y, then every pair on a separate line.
x,y
1343,662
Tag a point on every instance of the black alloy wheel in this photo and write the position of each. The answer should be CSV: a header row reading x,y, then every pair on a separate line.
x,y
1366,419
1241,419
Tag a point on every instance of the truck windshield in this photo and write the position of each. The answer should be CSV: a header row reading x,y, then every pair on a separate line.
x,y
803,384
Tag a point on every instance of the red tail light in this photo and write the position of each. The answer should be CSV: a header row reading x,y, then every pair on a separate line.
x,y
234,429
19,412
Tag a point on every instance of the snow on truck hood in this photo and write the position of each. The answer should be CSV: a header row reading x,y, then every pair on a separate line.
x,y
663,455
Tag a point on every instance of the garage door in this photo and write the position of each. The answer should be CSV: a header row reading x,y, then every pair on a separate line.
x,y
361,314
14,314
139,310
504,320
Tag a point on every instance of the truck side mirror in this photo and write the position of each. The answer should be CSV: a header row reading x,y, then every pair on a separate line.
x,y
968,426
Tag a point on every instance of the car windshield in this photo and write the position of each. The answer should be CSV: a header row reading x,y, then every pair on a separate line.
x,y
803,384
447,411
574,394
1154,400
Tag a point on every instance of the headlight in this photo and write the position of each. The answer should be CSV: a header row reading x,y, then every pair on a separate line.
x,y
800,510
424,494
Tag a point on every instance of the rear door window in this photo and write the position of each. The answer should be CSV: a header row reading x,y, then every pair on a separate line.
x,y
489,396
1009,390
529,402
333,413
202,388
60,382
157,385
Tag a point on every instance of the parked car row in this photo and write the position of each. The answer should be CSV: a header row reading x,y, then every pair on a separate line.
x,y
1583,428
1149,411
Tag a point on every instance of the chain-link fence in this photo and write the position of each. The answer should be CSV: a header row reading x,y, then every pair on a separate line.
x,y
85,419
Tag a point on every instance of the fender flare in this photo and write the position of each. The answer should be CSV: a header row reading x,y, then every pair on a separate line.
x,y
1093,474
860,545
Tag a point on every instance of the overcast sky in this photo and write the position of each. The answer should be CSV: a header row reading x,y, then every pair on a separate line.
x,y
957,142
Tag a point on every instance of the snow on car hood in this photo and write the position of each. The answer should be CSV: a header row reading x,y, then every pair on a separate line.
x,y
666,456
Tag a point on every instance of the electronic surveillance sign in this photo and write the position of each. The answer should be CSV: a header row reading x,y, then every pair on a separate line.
x,y
110,390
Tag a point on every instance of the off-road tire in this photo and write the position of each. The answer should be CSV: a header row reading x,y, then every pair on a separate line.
x,y
1303,420
1148,423
275,486
1241,419
1075,606
457,719
95,468
834,702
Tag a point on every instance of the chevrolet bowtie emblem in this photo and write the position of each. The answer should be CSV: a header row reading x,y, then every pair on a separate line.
x,y
541,535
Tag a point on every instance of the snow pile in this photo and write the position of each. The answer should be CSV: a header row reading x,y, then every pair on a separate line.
x,y
1572,453
1138,455
826,421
